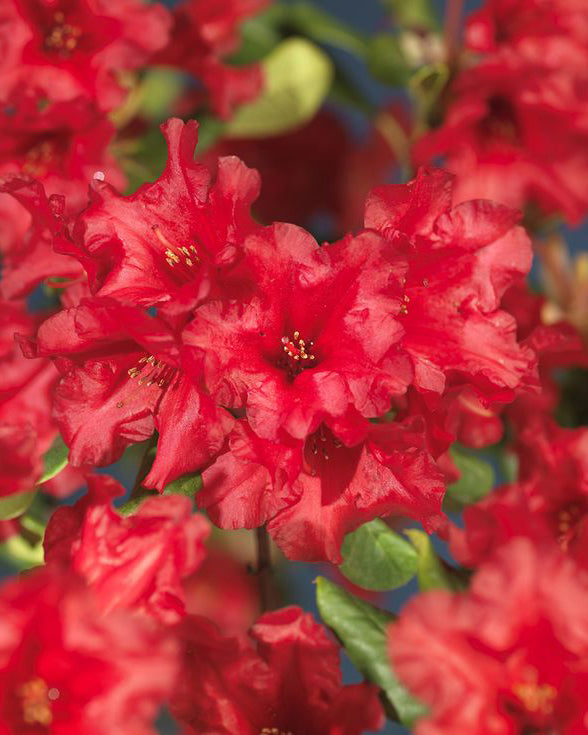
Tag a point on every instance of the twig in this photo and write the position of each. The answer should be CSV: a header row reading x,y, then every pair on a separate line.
x,y
453,16
264,568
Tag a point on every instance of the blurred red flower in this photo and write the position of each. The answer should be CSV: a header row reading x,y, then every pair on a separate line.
x,y
136,561
508,656
66,668
289,681
72,48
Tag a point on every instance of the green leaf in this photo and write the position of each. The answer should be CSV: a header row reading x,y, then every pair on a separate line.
x,y
158,90
187,485
25,550
310,21
416,14
297,78
54,460
362,629
377,558
259,35
386,61
476,477
431,573
13,506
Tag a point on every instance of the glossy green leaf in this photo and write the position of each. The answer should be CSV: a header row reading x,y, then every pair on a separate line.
x,y
476,477
297,78
377,558
54,460
431,573
363,631
386,61
13,506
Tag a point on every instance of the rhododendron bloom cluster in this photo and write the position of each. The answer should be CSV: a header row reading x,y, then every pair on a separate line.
x,y
258,320
309,344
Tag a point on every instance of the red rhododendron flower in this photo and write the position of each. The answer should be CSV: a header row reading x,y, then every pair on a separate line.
x,y
26,427
137,561
68,669
289,682
312,493
556,345
548,33
204,33
72,48
171,242
62,145
460,262
549,503
122,372
315,344
516,133
508,656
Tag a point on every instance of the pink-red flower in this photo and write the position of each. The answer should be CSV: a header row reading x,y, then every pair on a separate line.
x,y
286,681
73,48
548,503
136,561
203,34
515,127
312,492
62,145
459,262
173,242
508,656
27,429
123,378
316,342
551,34
66,668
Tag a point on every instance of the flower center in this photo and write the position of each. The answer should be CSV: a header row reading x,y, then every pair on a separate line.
x,y
501,121
536,698
182,259
151,371
567,522
62,37
320,447
36,698
296,348
297,354
38,158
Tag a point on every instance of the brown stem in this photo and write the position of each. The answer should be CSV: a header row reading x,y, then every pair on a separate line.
x,y
264,568
453,16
